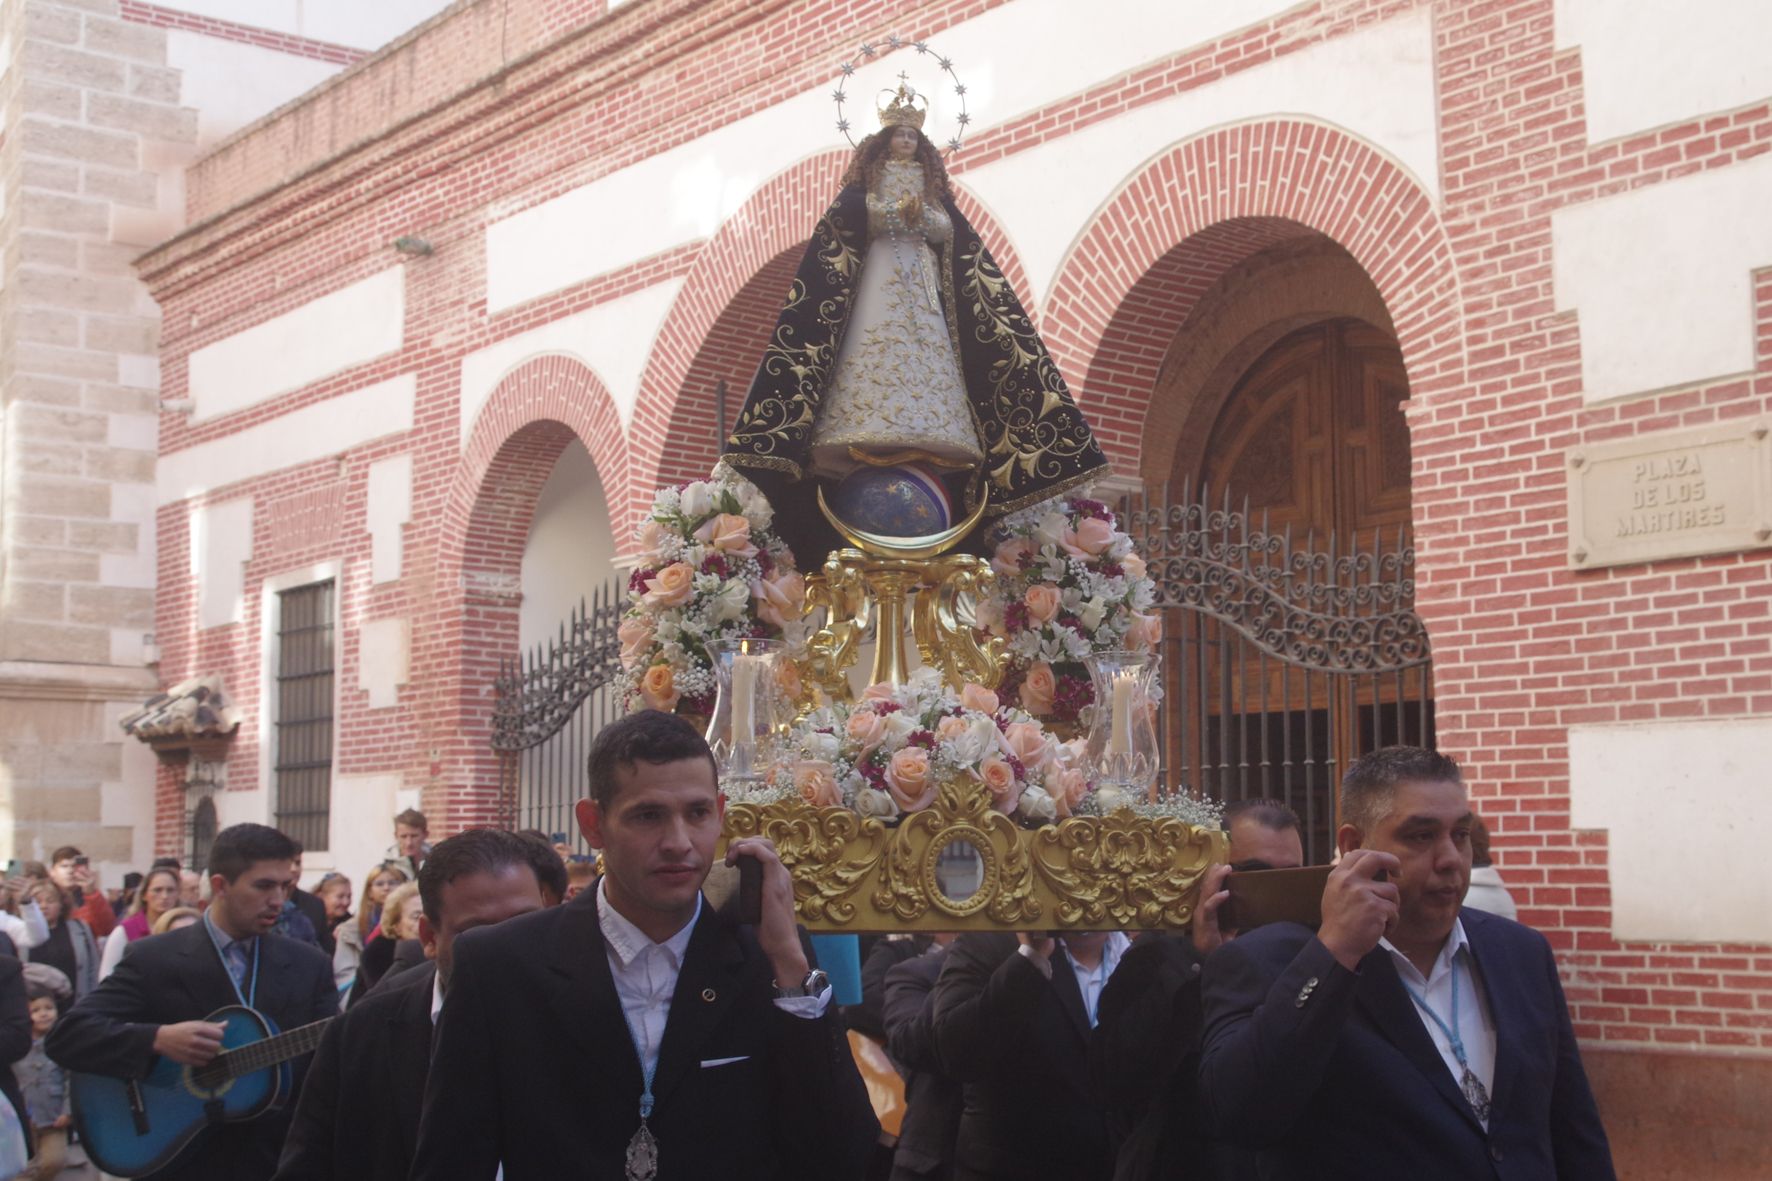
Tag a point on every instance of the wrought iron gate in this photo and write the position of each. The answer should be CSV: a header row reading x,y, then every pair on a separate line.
x,y
1282,662
549,704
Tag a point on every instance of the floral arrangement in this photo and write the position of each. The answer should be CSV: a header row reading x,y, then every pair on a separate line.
x,y
888,753
710,569
1069,584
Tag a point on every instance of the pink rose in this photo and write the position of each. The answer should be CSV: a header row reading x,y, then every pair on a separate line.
x,y
1007,560
670,587
1042,601
1067,789
882,691
635,634
975,696
658,688
1146,631
988,615
1133,565
816,781
999,780
866,729
907,779
1027,742
729,533
951,726
1088,539
781,599
651,541
1038,689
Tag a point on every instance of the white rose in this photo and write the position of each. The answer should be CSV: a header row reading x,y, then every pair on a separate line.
x,y
875,803
731,601
821,746
697,501
899,727
980,738
1050,528
1091,613
1037,806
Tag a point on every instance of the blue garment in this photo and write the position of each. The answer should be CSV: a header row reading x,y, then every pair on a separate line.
x,y
43,1084
296,925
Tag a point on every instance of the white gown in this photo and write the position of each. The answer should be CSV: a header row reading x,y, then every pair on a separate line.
x,y
897,385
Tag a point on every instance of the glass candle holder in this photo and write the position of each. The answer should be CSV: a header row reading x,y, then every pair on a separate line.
x,y
1122,749
748,707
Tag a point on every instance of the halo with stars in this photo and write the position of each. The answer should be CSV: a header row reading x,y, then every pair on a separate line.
x,y
868,52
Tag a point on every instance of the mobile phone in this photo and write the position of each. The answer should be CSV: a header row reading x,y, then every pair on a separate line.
x,y
82,861
1262,896
750,891
14,868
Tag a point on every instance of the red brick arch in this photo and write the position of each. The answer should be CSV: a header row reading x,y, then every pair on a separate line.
x,y
470,626
720,321
1203,206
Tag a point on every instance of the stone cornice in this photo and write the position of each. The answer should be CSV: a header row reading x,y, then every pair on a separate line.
x,y
31,680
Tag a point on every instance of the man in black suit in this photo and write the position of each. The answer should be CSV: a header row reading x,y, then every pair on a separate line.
x,y
1406,1037
1146,1052
1013,1019
359,1111
153,1005
931,1124
635,1032
15,1037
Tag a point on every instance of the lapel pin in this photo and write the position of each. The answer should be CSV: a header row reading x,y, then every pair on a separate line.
x,y
707,994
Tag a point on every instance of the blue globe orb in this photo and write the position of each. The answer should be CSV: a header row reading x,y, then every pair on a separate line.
x,y
904,501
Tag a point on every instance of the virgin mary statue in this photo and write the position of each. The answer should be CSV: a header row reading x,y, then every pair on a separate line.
x,y
901,342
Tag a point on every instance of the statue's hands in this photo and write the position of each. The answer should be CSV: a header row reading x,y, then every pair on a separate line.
x,y
910,208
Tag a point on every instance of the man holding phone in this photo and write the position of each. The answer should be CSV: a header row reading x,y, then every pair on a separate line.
x,y
1405,1037
71,871
717,1052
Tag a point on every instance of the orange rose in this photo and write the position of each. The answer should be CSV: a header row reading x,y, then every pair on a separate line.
x,y
658,688
1042,601
1067,789
670,587
816,781
880,691
999,780
787,679
1133,565
1027,742
779,599
1146,631
1007,560
651,541
1038,688
1088,539
866,729
635,634
907,779
729,533
975,696
951,726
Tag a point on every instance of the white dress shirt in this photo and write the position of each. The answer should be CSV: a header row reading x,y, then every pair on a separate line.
x,y
26,929
1092,980
1475,1025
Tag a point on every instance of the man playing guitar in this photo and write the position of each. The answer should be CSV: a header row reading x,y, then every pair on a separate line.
x,y
152,1008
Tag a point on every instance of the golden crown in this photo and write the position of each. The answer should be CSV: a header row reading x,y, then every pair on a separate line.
x,y
903,110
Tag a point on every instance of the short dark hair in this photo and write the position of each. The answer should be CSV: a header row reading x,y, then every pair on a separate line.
x,y
645,736
1269,813
550,871
172,862
37,990
473,850
1369,784
1479,843
412,818
240,846
65,853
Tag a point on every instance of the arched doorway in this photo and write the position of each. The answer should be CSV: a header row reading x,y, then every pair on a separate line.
x,y
1293,647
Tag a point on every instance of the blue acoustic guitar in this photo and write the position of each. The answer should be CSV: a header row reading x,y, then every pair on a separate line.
x,y
134,1127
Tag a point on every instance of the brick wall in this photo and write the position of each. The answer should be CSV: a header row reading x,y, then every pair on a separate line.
x,y
1524,648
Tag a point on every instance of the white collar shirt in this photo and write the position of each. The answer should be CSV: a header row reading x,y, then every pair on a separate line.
x,y
645,975
1092,980
1476,1027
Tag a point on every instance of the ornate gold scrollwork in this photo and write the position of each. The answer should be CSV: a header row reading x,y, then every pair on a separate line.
x,y
1122,870
942,623
843,594
829,851
908,889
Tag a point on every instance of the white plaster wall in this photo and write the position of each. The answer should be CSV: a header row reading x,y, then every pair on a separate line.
x,y
221,545
122,803
363,808
1661,278
570,551
343,328
325,428
389,509
613,339
383,652
1649,63
231,83
683,195
1686,807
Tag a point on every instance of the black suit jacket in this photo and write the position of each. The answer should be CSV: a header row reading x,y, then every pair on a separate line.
x,y
534,1066
315,912
1340,1079
360,1107
1021,1046
15,1034
933,1100
165,979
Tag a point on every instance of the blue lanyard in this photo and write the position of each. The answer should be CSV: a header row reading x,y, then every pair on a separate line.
x,y
1451,1031
252,995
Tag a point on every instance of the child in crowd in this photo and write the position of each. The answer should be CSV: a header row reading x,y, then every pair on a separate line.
x,y
45,1088
581,875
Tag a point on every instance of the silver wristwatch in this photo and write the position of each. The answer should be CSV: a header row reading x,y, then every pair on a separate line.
x,y
814,985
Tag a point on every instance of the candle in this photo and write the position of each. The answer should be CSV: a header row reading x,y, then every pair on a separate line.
x,y
1120,732
744,689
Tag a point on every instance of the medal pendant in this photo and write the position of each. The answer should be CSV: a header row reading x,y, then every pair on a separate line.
x,y
1476,1095
642,1155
